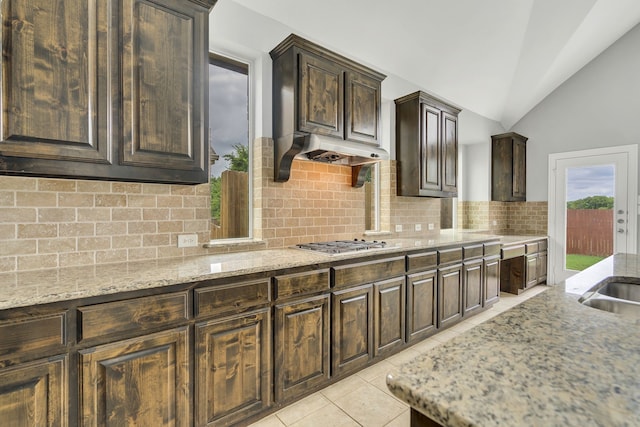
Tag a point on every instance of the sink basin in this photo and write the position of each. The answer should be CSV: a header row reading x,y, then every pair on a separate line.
x,y
619,306
618,295
621,290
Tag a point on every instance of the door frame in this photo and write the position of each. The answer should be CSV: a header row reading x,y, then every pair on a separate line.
x,y
555,243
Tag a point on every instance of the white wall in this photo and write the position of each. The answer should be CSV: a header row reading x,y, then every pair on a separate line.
x,y
474,163
599,106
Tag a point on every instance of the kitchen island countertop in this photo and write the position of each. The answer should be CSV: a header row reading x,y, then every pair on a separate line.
x,y
549,361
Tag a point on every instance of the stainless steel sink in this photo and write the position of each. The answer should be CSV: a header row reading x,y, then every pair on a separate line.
x,y
619,306
618,295
621,290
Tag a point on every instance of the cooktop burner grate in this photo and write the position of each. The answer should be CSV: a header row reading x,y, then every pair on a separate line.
x,y
342,246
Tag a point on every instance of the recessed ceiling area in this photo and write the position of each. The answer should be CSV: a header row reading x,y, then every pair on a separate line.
x,y
497,58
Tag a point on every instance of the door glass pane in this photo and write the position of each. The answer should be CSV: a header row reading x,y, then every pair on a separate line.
x,y
589,214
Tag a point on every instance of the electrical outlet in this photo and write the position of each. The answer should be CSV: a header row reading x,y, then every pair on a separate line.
x,y
187,240
495,222
398,228
431,226
418,227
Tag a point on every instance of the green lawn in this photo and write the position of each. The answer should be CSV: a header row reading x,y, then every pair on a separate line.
x,y
580,262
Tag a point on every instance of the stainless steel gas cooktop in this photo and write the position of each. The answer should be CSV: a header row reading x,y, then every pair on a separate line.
x,y
342,246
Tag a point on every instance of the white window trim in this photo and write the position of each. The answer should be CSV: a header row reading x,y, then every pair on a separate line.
x,y
251,111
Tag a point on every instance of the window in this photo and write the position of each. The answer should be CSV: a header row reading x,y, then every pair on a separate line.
x,y
372,199
229,149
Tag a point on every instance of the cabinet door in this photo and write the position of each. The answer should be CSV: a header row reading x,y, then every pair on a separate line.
x,y
449,154
430,173
389,300
449,295
421,305
362,104
352,320
163,59
531,272
321,101
491,281
301,346
35,394
142,381
472,285
54,81
542,267
233,368
519,169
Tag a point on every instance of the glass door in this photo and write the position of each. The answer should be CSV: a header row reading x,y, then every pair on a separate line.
x,y
589,209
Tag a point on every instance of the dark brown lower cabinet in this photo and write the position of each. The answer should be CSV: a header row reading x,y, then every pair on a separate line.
x,y
491,280
449,295
422,319
142,381
389,300
352,335
233,368
472,286
301,346
35,393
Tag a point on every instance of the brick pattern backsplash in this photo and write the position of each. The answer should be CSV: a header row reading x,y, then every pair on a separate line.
x,y
48,222
64,222
317,202
409,211
504,217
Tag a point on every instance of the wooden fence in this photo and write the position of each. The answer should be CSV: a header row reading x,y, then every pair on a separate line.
x,y
590,231
234,206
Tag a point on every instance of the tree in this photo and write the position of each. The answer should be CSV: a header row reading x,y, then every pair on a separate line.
x,y
239,158
214,184
592,202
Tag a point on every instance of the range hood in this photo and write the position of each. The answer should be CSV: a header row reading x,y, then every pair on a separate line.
x,y
320,148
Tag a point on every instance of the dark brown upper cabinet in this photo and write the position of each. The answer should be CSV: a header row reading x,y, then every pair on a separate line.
x,y
318,92
426,146
508,167
321,104
106,90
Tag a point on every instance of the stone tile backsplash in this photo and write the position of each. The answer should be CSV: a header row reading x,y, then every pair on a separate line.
x,y
47,222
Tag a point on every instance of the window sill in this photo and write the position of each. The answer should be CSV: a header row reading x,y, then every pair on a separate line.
x,y
378,233
232,245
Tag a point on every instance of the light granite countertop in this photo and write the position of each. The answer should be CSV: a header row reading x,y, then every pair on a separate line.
x,y
549,361
47,286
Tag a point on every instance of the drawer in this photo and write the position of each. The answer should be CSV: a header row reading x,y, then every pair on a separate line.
x,y
233,297
542,245
512,251
368,272
423,261
531,248
133,316
491,249
37,335
470,252
301,283
447,256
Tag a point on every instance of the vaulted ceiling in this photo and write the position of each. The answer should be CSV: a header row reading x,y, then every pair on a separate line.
x,y
497,58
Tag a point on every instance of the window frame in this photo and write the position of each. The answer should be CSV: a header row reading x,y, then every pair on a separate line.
x,y
375,220
242,65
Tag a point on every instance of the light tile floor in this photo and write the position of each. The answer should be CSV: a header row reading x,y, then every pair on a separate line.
x,y
363,398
